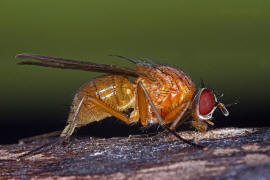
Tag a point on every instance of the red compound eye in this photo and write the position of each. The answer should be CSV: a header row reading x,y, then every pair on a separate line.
x,y
207,102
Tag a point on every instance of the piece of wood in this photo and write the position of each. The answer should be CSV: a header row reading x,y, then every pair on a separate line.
x,y
230,153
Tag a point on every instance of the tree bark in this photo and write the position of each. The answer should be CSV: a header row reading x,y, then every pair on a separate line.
x,y
229,153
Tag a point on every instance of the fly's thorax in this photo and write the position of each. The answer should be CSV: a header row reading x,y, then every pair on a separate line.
x,y
165,80
170,89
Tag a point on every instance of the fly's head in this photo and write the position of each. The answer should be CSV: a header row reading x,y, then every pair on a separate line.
x,y
204,105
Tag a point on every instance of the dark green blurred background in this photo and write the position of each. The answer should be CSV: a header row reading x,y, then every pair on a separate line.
x,y
226,43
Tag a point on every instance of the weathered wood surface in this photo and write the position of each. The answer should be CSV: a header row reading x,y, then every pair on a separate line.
x,y
230,153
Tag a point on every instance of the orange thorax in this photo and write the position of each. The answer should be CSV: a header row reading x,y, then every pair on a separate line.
x,y
170,89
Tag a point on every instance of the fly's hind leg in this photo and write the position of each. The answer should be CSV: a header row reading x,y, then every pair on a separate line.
x,y
42,136
72,123
42,148
112,111
63,136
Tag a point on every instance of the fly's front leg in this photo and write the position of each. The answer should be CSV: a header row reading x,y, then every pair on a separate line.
x,y
185,118
161,121
179,120
143,97
199,125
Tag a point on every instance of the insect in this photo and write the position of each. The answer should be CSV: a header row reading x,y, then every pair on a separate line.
x,y
160,94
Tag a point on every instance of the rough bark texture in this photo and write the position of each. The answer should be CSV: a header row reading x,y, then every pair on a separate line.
x,y
229,153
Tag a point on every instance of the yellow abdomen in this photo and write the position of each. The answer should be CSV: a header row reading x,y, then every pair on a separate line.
x,y
117,92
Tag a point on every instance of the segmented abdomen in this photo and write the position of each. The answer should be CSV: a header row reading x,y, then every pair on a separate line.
x,y
116,91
